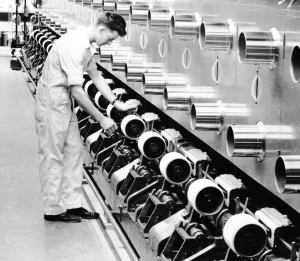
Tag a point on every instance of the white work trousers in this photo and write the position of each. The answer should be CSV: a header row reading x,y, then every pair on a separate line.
x,y
60,150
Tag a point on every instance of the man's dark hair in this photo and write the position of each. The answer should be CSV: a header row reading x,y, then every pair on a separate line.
x,y
114,22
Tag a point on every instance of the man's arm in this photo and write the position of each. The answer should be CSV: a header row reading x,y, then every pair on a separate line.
x,y
104,88
86,104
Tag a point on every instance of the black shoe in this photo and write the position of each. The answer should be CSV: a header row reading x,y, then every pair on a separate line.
x,y
64,217
81,212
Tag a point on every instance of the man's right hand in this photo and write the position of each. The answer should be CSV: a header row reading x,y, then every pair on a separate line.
x,y
108,125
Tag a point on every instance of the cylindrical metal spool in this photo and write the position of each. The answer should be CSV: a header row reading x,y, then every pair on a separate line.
x,y
287,173
48,18
108,5
106,52
119,61
216,36
176,98
139,14
155,83
57,24
159,19
97,5
78,2
246,141
207,116
134,71
87,3
123,8
259,47
185,26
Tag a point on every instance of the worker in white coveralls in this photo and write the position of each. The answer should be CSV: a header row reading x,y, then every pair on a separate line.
x,y
60,147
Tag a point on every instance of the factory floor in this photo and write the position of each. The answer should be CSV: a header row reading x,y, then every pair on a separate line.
x,y
24,234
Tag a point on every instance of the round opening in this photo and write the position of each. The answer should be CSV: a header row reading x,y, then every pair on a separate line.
x,y
130,14
134,129
111,59
242,47
165,98
209,201
193,117
149,20
230,141
172,28
116,7
154,147
295,64
280,174
126,71
202,36
178,171
250,240
103,4
144,84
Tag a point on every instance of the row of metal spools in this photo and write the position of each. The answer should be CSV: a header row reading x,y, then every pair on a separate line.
x,y
183,210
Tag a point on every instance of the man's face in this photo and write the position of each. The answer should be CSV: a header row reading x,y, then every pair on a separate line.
x,y
105,36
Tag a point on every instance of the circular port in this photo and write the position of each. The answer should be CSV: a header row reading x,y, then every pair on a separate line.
x,y
295,64
280,174
242,47
230,141
202,36
193,117
172,28
149,20
165,98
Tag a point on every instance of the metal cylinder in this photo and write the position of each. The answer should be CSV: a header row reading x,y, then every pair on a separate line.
x,y
287,173
246,141
295,64
119,61
97,5
134,71
153,83
159,19
176,98
185,26
78,2
123,8
139,14
259,47
107,51
87,3
108,5
207,116
216,36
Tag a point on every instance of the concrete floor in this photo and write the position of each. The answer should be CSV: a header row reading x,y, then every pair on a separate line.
x,y
24,234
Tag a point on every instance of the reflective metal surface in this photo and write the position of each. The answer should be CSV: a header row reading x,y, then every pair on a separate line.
x,y
108,5
207,116
250,92
123,8
259,47
185,26
134,71
287,170
119,61
139,13
159,19
217,36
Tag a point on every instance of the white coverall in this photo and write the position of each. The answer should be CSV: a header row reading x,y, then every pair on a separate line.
x,y
60,147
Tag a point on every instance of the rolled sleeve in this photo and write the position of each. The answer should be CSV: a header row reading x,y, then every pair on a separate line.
x,y
72,64
91,65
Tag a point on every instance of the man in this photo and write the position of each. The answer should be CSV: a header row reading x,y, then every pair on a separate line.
x,y
60,147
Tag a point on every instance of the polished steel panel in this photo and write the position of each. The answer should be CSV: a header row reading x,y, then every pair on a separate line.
x,y
250,92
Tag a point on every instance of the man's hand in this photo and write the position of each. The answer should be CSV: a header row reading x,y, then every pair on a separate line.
x,y
108,125
128,105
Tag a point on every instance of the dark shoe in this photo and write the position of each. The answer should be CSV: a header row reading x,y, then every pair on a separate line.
x,y
64,217
81,212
